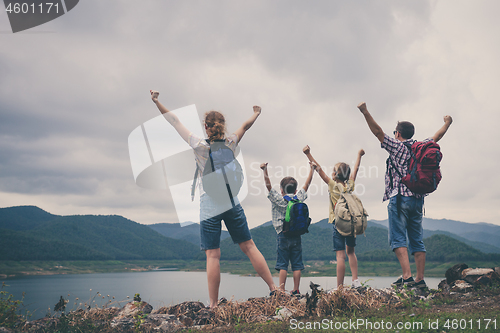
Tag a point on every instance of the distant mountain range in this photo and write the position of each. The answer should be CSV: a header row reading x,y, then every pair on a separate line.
x,y
30,233
482,236
373,246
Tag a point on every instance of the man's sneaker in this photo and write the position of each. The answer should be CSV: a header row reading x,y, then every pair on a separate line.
x,y
356,283
295,292
420,284
400,282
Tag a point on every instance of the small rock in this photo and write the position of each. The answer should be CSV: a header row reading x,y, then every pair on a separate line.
x,y
203,317
158,319
125,323
444,286
182,308
125,317
170,326
283,314
188,313
471,275
461,286
455,273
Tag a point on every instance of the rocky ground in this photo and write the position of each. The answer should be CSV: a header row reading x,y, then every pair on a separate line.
x,y
464,290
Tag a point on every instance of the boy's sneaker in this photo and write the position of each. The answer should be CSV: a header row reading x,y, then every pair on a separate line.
x,y
356,283
295,292
401,282
332,291
420,284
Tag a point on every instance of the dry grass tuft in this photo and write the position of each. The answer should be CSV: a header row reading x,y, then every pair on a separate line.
x,y
257,309
349,300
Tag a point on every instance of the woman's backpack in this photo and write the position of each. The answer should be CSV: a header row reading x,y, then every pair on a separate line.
x,y
222,175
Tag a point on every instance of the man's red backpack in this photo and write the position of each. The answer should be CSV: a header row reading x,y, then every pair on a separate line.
x,y
424,173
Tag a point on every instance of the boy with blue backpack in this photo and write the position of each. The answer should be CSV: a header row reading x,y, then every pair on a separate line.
x,y
290,218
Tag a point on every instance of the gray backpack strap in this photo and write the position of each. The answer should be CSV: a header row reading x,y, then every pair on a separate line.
x,y
193,185
195,177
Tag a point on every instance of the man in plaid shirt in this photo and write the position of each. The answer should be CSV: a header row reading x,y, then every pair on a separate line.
x,y
405,207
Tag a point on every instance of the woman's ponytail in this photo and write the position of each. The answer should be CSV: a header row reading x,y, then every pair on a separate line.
x,y
216,125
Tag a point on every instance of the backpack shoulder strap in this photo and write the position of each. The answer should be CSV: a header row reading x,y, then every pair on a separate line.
x,y
389,160
195,177
293,199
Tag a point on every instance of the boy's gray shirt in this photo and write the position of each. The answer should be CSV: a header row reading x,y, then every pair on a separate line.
x,y
279,206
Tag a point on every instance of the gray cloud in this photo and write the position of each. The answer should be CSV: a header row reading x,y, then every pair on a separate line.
x,y
69,99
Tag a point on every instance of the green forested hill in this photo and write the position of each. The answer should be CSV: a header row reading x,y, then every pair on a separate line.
x,y
445,249
89,237
23,217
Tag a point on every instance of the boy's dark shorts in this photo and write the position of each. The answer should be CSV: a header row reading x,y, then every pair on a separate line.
x,y
289,249
339,241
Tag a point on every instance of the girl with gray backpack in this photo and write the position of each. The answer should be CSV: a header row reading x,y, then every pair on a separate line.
x,y
340,188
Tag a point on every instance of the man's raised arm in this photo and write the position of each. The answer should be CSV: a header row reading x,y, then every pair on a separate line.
x,y
442,131
372,124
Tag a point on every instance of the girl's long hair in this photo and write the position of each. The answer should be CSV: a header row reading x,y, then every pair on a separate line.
x,y
216,125
343,171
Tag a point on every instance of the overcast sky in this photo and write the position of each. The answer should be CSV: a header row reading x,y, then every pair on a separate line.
x,y
73,89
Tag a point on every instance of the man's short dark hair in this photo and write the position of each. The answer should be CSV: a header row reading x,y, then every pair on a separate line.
x,y
406,129
288,185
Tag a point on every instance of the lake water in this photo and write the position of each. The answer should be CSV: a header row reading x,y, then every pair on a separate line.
x,y
159,288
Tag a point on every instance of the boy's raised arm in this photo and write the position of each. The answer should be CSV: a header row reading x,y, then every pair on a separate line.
x,y
171,117
372,124
263,166
442,131
247,124
361,152
306,150
310,176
